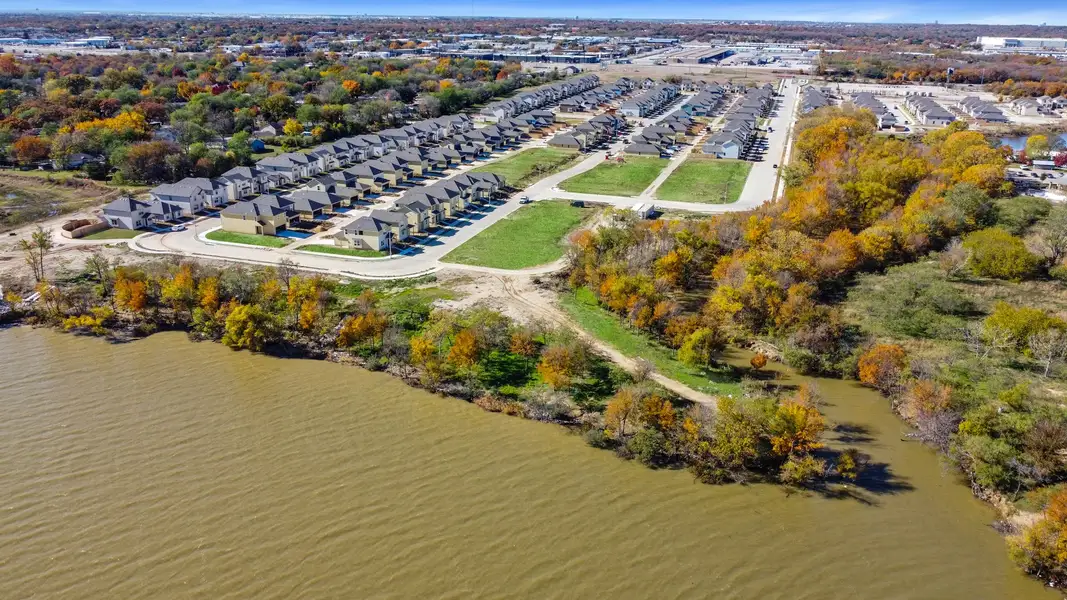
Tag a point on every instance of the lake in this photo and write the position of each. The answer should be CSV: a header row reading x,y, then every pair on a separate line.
x,y
164,469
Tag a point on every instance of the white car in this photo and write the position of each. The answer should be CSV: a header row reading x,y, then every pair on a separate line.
x,y
177,228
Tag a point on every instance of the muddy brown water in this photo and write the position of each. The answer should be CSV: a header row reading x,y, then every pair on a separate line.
x,y
165,469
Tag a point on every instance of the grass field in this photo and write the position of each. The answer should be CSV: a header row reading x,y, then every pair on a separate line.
x,y
327,249
113,234
606,327
706,180
531,236
617,179
247,238
529,166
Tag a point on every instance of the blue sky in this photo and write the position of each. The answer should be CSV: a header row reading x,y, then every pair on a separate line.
x,y
910,11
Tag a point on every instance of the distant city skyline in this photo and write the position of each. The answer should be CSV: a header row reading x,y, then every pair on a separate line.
x,y
982,12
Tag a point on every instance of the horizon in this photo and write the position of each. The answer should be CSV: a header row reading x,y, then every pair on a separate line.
x,y
980,13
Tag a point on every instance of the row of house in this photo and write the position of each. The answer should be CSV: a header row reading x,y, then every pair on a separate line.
x,y
354,166
590,134
741,124
981,110
596,97
396,168
418,211
656,140
886,119
378,161
927,111
706,101
1033,107
650,101
813,98
538,98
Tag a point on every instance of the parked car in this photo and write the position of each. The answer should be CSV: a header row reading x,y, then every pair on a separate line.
x,y
524,200
577,203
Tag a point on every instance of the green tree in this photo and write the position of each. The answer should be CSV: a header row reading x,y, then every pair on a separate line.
x,y
998,254
701,346
248,327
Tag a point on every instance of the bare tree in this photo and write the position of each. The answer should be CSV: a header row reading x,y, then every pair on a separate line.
x,y
1051,235
643,369
953,259
35,249
1048,347
100,267
286,271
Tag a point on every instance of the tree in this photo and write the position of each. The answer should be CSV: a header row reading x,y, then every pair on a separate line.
x,y
1048,347
882,366
148,161
1052,234
130,294
35,250
1042,548
100,267
29,149
248,327
657,412
736,435
180,290
278,107
558,366
286,271
1019,323
796,428
701,346
1038,146
621,412
292,127
996,253
463,353
208,294
357,329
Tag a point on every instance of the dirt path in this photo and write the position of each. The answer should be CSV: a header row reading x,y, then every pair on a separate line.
x,y
521,291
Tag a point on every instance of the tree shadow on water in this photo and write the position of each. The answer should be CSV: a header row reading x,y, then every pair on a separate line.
x,y
852,433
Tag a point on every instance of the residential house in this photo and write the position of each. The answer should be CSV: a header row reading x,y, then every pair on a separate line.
x,y
311,204
376,231
127,213
192,194
265,215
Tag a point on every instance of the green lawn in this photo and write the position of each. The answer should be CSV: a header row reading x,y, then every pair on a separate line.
x,y
531,236
327,249
529,166
602,324
629,178
707,180
247,238
112,234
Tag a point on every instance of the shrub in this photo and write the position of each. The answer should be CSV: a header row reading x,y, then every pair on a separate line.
x,y
597,438
758,361
802,470
1017,214
649,446
1017,323
1039,550
996,253
1059,273
882,366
